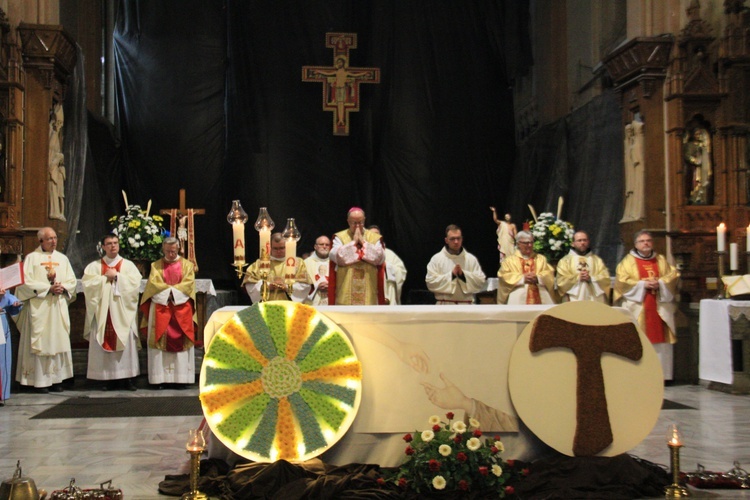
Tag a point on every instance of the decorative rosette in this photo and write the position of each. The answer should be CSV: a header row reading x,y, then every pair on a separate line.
x,y
280,381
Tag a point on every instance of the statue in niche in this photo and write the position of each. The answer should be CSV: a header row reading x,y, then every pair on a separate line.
x,y
56,165
634,172
696,152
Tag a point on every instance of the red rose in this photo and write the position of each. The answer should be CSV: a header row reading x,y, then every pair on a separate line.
x,y
461,456
509,490
484,470
409,450
525,471
408,438
511,462
497,437
457,439
477,433
434,465
494,450
381,481
402,482
463,485
436,428
449,415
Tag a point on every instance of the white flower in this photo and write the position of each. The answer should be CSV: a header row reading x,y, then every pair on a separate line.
x,y
473,444
428,436
458,427
497,470
474,423
131,241
500,446
434,420
551,241
137,236
438,482
444,450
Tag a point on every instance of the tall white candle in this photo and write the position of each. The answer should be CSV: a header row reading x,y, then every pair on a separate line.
x,y
721,237
291,247
238,233
265,243
747,243
733,262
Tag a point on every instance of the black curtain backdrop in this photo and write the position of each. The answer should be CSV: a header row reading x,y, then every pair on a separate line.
x,y
210,99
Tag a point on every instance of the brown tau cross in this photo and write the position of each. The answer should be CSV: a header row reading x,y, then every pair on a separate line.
x,y
340,82
181,227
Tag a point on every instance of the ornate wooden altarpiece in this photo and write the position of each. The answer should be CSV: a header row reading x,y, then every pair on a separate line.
x,y
693,89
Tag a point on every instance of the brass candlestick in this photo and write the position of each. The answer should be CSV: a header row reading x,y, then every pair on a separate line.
x,y
720,283
195,446
674,441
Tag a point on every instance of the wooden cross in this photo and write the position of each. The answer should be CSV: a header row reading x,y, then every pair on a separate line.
x,y
340,82
50,267
181,219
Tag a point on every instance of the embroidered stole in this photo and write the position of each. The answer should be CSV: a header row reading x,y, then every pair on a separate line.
x,y
649,269
532,290
109,343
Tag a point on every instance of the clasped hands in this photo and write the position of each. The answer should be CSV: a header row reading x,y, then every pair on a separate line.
x,y
584,276
359,238
457,271
530,278
56,288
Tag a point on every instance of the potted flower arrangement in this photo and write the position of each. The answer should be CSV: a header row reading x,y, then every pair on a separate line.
x,y
552,236
453,457
140,234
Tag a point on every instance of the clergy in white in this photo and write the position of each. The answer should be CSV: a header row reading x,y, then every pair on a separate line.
x,y
526,277
453,274
168,308
111,287
395,274
44,357
581,275
276,279
317,272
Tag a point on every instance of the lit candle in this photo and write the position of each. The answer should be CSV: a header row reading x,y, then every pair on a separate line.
x,y
265,243
673,436
238,232
747,243
291,247
733,266
721,237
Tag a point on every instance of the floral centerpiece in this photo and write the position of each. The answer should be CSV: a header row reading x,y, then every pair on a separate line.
x,y
552,236
140,234
452,456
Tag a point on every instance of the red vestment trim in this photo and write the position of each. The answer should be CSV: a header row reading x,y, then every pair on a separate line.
x,y
532,292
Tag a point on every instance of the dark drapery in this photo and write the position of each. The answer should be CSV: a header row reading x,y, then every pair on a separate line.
x,y
210,99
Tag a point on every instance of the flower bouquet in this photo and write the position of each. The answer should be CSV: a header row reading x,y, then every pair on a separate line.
x,y
140,234
552,236
452,456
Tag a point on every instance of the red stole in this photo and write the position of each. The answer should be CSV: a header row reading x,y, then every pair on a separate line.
x,y
532,292
109,343
649,269
174,320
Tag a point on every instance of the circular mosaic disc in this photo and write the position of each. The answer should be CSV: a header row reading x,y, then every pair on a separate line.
x,y
280,381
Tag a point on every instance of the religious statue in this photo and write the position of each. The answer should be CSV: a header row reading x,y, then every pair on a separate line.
x,y
340,80
56,165
634,172
182,232
506,234
696,150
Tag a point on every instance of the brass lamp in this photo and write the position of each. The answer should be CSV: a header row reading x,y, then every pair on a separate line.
x,y
195,446
674,441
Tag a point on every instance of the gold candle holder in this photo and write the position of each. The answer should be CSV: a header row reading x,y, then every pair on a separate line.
x,y
721,289
674,442
195,446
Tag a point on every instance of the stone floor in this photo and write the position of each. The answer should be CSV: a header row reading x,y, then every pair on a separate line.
x,y
136,453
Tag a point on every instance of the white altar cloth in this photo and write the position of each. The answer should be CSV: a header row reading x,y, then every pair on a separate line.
x,y
470,345
715,337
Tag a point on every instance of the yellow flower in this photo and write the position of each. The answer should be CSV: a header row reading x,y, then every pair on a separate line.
x,y
158,218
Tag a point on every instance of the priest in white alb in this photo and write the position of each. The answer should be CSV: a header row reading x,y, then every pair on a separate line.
x,y
111,286
454,275
281,266
582,275
44,355
395,273
168,307
526,277
317,272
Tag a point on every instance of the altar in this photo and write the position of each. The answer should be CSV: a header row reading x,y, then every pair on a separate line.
x,y
724,336
408,352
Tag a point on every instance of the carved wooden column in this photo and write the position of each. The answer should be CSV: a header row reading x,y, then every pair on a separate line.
x,y
49,56
638,69
11,142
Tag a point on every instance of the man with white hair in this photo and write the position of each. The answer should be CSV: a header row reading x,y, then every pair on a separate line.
x,y
44,356
357,273
168,307
525,277
317,266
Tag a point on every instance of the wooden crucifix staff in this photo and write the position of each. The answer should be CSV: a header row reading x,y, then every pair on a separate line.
x,y
181,226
